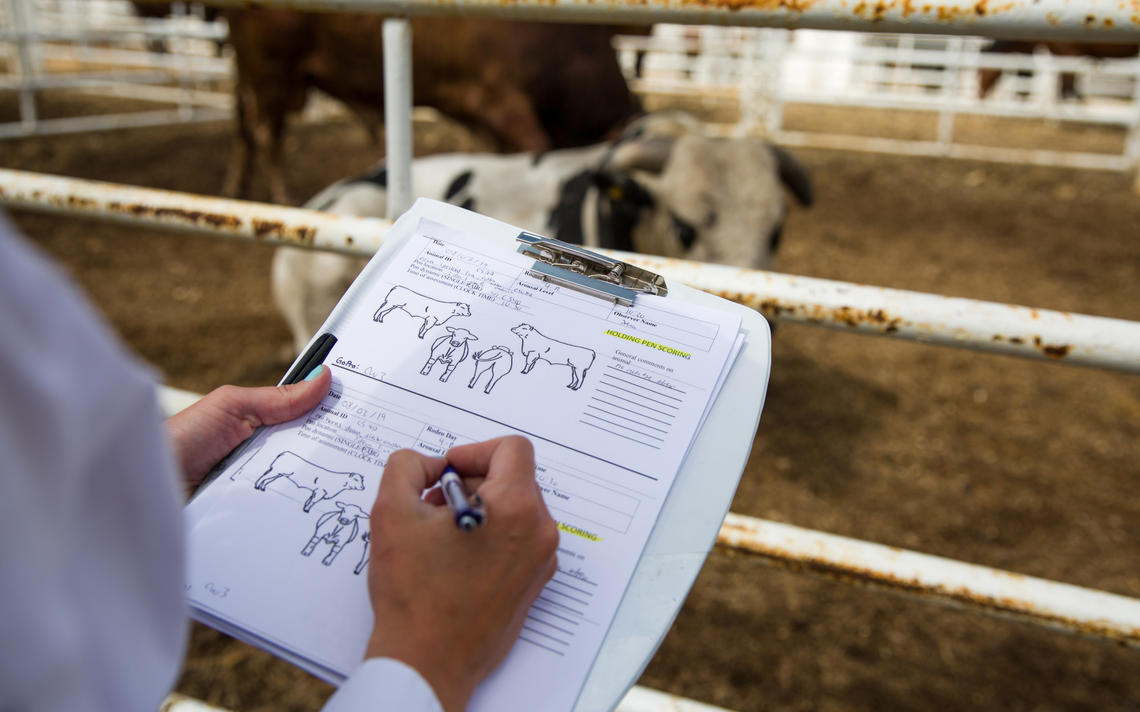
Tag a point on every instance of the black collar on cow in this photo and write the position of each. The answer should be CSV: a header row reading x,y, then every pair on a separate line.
x,y
619,202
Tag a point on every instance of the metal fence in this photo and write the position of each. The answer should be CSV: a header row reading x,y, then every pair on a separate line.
x,y
103,48
1055,336
760,72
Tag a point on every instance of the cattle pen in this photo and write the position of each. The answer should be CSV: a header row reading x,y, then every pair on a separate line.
x,y
1045,335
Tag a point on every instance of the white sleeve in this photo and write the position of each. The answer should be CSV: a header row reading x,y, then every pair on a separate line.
x,y
384,685
91,603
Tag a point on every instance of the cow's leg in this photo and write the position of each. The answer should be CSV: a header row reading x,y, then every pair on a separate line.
x,y
987,77
311,545
242,155
427,367
382,311
481,367
429,324
363,559
531,360
447,371
314,498
270,135
1069,87
331,556
492,382
574,383
266,478
581,377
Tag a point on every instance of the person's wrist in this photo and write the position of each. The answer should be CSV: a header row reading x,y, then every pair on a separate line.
x,y
453,690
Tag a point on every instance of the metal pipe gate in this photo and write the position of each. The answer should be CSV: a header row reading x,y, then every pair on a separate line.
x,y
1058,336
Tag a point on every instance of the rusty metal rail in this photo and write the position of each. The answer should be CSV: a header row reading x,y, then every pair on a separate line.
x,y
1001,593
1062,337
187,212
1089,20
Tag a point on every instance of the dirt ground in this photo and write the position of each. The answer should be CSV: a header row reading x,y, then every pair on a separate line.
x,y
1025,466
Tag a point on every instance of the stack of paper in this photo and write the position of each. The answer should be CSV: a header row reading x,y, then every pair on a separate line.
x,y
445,340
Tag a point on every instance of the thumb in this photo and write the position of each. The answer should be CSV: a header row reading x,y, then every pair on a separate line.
x,y
277,404
202,434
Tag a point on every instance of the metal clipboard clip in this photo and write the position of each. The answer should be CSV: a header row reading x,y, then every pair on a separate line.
x,y
576,268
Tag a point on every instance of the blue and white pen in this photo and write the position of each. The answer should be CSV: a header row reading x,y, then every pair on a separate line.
x,y
467,510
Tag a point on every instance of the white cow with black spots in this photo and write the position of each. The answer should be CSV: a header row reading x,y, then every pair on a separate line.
x,y
664,188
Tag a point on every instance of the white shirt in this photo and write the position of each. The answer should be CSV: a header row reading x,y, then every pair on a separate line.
x,y
92,614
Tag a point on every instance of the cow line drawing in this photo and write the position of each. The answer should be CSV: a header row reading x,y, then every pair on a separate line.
x,y
337,527
322,483
538,347
433,312
450,350
496,361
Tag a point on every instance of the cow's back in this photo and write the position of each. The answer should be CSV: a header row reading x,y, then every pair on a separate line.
x,y
568,72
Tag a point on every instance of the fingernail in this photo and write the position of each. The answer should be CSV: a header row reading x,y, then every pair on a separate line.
x,y
315,372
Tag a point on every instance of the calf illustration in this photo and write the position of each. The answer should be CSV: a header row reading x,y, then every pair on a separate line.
x,y
537,347
323,484
365,537
338,528
497,361
432,311
450,350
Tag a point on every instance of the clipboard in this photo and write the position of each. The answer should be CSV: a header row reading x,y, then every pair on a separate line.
x,y
702,492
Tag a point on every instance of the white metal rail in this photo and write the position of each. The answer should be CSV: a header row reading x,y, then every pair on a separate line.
x,y
1063,337
61,49
1089,20
1034,333
765,70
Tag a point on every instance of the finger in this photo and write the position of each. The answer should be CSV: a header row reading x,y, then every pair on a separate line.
x,y
269,405
406,475
435,494
284,403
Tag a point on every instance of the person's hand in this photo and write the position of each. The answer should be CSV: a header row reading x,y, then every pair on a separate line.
x,y
207,431
450,603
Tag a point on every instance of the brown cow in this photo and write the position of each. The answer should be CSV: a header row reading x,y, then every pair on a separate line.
x,y
530,86
988,76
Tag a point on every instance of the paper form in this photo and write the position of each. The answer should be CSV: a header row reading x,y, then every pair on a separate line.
x,y
455,343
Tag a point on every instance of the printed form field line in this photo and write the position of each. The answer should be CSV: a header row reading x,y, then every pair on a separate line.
x,y
498,422
628,410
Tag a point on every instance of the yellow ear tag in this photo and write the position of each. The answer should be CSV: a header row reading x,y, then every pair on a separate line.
x,y
615,193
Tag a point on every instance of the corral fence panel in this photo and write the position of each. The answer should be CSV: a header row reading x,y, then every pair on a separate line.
x,y
760,72
172,68
891,313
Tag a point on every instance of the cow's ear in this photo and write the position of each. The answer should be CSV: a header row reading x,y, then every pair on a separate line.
x,y
648,155
342,505
450,329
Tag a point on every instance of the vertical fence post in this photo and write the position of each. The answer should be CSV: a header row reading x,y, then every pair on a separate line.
x,y
21,21
398,113
1132,143
948,93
